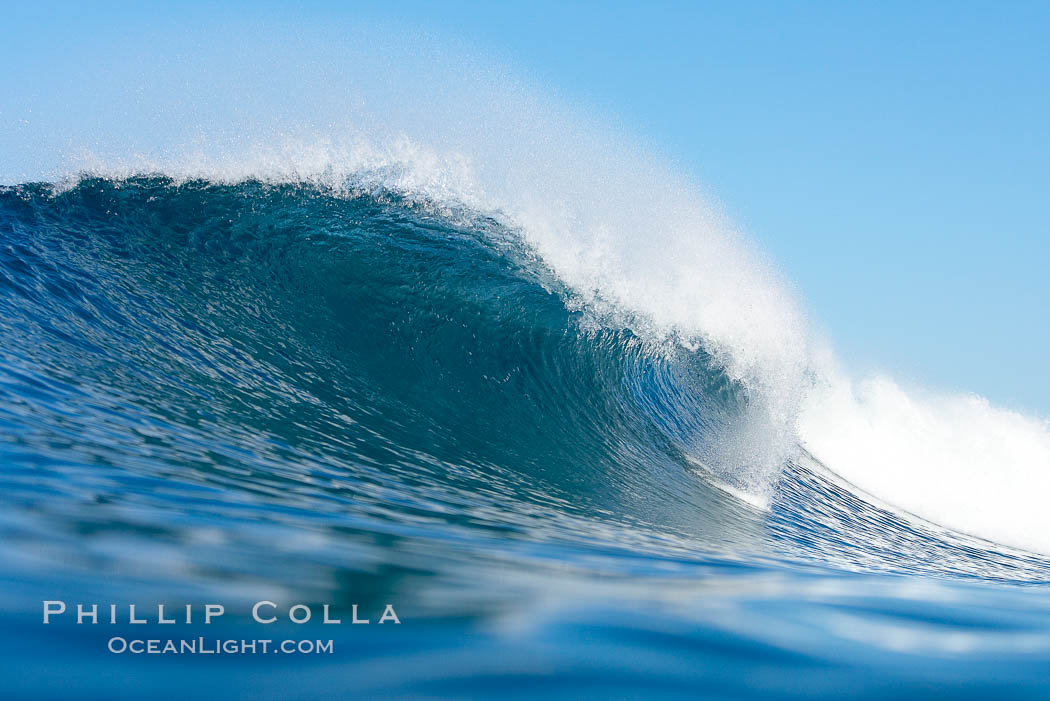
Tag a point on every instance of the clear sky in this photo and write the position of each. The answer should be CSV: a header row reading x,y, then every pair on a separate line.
x,y
892,158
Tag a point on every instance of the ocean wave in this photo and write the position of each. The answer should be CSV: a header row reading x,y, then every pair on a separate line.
x,y
303,345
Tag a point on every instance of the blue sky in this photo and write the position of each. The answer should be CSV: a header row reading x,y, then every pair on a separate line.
x,y
892,158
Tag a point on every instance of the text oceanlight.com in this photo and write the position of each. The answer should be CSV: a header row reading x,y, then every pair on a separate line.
x,y
216,646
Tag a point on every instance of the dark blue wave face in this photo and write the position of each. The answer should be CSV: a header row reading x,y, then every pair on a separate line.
x,y
246,392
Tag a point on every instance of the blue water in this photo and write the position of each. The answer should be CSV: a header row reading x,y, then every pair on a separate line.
x,y
244,392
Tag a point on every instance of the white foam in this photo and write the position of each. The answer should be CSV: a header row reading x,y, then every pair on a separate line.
x,y
956,461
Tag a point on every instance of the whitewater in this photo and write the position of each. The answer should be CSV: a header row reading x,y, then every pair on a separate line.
x,y
376,319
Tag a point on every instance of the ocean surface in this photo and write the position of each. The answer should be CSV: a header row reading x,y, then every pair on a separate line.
x,y
246,390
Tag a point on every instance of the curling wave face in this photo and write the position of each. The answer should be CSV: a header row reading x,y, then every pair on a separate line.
x,y
295,345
